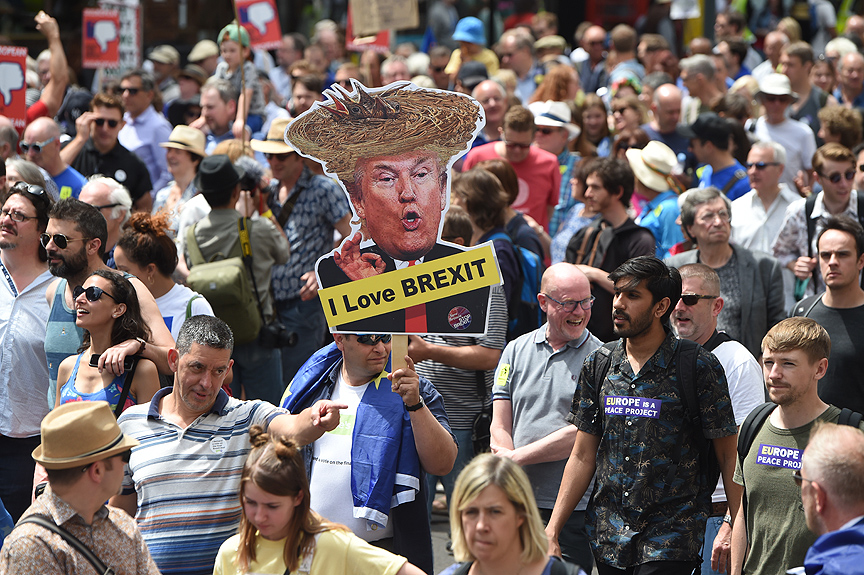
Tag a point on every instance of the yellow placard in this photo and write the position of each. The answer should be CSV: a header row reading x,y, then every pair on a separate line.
x,y
444,277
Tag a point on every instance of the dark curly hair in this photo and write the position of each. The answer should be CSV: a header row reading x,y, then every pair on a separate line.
x,y
145,240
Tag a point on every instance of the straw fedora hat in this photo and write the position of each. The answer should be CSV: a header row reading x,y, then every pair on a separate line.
x,y
275,142
79,433
186,138
653,165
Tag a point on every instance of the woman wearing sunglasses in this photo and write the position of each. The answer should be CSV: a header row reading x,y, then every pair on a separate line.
x,y
106,307
184,151
280,534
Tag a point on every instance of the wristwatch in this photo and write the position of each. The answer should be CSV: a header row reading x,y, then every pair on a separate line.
x,y
727,519
416,406
143,345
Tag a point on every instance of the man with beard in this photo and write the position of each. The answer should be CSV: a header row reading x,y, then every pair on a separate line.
x,y
72,221
23,313
637,431
771,535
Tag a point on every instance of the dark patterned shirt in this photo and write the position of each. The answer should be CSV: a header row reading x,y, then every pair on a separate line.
x,y
648,503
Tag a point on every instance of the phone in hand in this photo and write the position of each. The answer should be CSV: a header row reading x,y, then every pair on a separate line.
x,y
127,363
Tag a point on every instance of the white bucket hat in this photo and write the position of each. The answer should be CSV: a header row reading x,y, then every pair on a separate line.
x,y
555,114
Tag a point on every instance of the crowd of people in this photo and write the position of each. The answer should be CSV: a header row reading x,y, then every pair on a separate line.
x,y
678,393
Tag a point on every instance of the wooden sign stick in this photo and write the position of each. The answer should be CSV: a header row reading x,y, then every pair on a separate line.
x,y
399,349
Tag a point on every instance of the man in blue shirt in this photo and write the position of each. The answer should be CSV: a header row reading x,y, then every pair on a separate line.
x,y
711,139
41,145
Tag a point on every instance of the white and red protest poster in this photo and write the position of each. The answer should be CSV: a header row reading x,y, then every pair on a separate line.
x,y
13,86
379,43
101,38
261,20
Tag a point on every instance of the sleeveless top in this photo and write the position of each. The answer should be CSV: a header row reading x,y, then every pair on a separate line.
x,y
111,394
62,338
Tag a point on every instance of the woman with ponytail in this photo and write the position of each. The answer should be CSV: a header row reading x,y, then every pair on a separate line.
x,y
280,534
146,250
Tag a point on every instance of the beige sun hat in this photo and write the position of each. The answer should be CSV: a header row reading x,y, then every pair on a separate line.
x,y
275,142
186,138
653,165
79,433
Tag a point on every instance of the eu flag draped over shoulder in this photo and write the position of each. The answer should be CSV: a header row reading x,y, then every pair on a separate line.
x,y
385,467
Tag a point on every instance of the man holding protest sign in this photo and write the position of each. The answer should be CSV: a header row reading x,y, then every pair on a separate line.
x,y
391,150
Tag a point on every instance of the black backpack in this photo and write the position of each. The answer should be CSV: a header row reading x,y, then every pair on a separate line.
x,y
685,354
756,419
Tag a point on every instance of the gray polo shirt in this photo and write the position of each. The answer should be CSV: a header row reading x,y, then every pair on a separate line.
x,y
540,384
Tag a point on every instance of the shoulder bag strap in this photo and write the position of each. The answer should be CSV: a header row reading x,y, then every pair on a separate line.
x,y
127,386
849,417
736,177
246,251
288,207
49,524
189,304
192,246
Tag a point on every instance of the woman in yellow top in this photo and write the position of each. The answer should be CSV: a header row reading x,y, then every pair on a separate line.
x,y
280,534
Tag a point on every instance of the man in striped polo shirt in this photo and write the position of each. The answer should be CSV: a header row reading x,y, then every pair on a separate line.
x,y
181,483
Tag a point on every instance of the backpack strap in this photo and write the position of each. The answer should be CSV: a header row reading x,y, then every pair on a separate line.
x,y
746,435
849,417
809,204
808,304
736,177
719,337
48,523
562,567
463,568
189,304
127,386
192,247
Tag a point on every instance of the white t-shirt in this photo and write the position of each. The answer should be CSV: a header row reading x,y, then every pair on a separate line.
x,y
799,141
746,387
330,482
172,306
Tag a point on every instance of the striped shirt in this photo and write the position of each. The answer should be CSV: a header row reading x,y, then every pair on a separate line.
x,y
187,480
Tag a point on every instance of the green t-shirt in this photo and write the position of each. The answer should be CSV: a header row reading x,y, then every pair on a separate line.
x,y
776,528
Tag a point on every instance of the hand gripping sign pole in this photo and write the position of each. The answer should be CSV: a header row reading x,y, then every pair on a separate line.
x,y
391,149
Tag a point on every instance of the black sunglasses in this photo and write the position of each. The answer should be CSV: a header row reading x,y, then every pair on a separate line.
x,y
280,157
516,145
92,293
438,69
547,131
836,177
101,122
761,165
125,456
60,240
371,339
691,299
107,206
37,192
132,91
861,167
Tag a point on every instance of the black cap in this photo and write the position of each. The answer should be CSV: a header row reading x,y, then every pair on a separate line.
x,y
216,174
472,73
709,127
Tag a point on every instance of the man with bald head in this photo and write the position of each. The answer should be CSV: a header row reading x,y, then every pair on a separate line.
x,y
850,87
592,73
775,41
41,145
534,386
855,26
666,114
493,97
700,45
113,201
8,139
832,491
